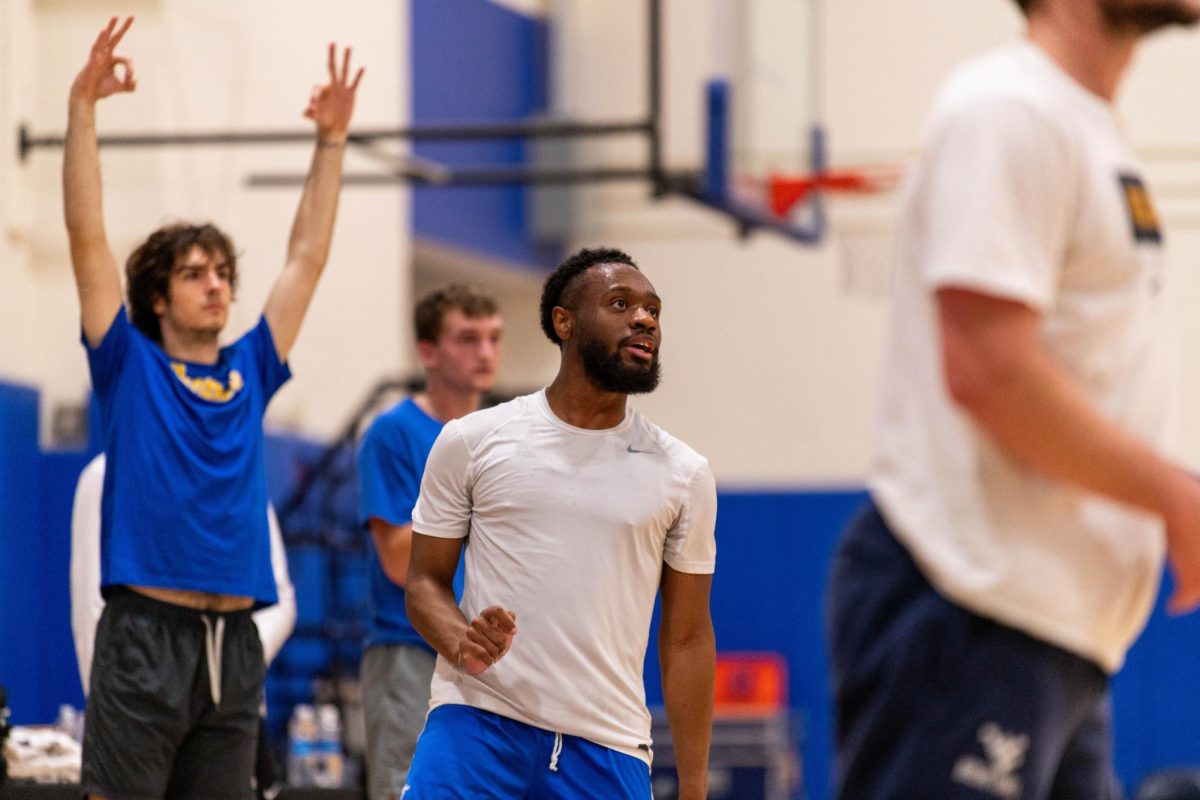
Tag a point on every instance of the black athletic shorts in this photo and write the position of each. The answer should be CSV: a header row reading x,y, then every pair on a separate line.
x,y
173,708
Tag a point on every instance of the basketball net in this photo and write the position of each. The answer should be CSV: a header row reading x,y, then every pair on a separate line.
x,y
863,236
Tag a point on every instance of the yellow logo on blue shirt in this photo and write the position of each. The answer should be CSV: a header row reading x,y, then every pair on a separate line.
x,y
1141,210
207,387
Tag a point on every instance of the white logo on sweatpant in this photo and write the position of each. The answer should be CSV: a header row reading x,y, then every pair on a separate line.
x,y
997,775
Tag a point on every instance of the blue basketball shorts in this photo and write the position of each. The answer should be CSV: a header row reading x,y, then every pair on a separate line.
x,y
934,701
465,753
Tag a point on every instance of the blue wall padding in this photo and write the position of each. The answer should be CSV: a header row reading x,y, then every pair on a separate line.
x,y
773,556
1156,697
476,61
18,483
773,552
33,665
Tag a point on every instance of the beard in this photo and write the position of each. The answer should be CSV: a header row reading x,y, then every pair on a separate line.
x,y
1142,18
609,372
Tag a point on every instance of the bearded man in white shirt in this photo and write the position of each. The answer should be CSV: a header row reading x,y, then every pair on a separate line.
x,y
576,511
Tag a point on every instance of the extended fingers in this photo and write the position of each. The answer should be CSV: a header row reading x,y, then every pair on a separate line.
x,y
332,103
110,36
102,36
342,76
116,37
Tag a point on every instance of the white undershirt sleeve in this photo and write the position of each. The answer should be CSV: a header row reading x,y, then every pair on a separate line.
x,y
86,602
275,623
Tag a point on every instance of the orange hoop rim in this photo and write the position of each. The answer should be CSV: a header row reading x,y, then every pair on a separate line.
x,y
785,191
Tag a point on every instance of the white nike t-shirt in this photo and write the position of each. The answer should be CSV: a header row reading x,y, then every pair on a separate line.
x,y
570,529
1027,190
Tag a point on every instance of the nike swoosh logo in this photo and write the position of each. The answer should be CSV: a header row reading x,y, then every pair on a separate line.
x,y
632,449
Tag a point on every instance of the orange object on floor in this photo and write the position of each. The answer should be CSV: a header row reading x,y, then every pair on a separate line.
x,y
750,683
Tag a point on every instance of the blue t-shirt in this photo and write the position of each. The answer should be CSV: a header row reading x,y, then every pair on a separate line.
x,y
185,491
391,460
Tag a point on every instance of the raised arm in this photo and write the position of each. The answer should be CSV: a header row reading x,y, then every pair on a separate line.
x,y
687,655
96,274
330,107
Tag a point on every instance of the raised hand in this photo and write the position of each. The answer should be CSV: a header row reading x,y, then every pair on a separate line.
x,y
332,105
487,639
105,73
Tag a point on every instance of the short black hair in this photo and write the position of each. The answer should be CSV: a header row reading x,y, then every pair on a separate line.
x,y
431,310
560,281
1024,5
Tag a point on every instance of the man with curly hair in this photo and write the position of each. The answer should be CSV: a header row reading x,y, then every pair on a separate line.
x,y
575,512
176,681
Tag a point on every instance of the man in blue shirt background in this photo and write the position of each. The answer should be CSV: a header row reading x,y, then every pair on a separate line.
x,y
458,334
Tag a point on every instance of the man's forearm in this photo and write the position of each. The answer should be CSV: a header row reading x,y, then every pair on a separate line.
x,y
330,107
436,616
308,247
1040,418
97,276
688,672
312,229
82,194
997,370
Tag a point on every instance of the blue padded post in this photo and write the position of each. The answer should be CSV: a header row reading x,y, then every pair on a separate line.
x,y
716,169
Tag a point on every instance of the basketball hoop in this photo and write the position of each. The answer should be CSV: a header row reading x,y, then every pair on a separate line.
x,y
861,228
785,191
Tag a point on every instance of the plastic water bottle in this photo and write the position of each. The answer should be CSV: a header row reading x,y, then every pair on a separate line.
x,y
302,746
331,769
70,721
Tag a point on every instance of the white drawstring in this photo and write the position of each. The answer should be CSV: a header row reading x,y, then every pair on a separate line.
x,y
214,640
557,750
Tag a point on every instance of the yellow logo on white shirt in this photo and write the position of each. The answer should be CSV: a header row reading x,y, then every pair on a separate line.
x,y
207,387
1141,210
